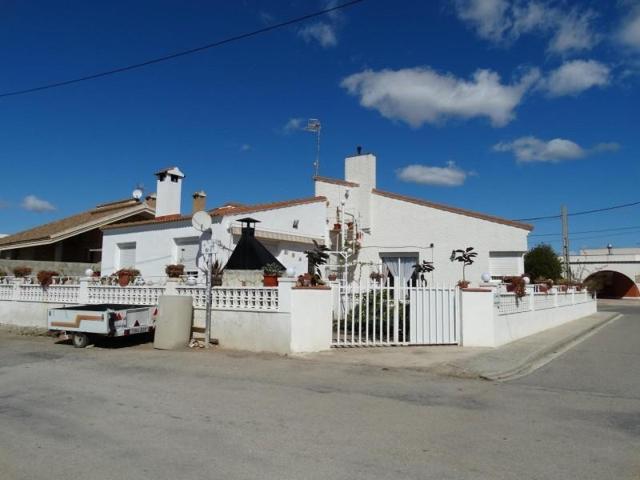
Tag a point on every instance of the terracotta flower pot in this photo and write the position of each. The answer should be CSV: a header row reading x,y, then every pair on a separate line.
x,y
123,280
270,280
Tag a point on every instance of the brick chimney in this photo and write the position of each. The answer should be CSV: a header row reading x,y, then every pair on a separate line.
x,y
199,201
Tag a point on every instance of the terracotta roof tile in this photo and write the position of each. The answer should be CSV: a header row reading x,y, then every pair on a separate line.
x,y
221,211
448,208
51,229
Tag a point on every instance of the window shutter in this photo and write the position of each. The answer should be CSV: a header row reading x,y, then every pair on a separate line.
x,y
127,255
504,264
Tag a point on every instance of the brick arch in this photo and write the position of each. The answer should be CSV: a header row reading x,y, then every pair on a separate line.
x,y
616,285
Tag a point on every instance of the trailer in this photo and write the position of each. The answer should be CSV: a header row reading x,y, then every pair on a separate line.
x,y
85,322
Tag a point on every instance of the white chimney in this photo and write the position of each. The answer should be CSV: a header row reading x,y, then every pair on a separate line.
x,y
169,191
361,169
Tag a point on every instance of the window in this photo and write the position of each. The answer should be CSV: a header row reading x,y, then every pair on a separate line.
x,y
400,265
187,253
127,255
505,264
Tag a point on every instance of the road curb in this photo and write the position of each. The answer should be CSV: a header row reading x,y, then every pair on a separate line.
x,y
545,355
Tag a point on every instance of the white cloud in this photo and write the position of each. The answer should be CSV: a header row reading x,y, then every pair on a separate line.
x,y
422,95
573,32
504,21
606,147
324,32
531,149
321,32
35,204
576,76
629,33
448,176
292,125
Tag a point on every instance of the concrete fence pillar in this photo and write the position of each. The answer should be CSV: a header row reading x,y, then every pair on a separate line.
x,y
15,295
171,287
477,317
285,284
311,319
83,292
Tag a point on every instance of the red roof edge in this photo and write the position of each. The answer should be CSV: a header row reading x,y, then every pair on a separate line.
x,y
447,208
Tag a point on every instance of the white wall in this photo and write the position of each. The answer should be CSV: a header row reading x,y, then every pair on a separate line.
x,y
156,247
482,326
403,227
302,324
25,314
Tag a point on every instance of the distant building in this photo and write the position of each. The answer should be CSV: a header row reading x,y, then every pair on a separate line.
x,y
617,268
75,239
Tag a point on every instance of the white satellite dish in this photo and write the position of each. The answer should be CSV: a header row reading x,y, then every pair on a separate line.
x,y
201,221
137,193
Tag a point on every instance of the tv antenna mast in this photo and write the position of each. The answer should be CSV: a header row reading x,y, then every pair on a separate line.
x,y
314,126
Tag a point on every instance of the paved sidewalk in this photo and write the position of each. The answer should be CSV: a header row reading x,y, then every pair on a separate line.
x,y
509,361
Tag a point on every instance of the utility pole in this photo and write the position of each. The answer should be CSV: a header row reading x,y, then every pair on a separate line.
x,y
565,241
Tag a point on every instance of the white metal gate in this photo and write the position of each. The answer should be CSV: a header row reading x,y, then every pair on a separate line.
x,y
378,314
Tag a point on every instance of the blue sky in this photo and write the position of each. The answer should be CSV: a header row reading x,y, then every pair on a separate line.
x,y
509,108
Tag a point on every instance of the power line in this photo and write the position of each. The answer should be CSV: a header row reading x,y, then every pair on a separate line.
x,y
586,231
183,53
585,212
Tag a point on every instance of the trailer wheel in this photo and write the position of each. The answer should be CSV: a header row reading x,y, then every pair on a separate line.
x,y
80,340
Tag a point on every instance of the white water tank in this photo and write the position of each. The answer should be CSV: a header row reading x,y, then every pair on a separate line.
x,y
173,326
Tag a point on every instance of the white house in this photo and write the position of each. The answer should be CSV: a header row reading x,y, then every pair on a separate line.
x,y
369,229
286,228
391,232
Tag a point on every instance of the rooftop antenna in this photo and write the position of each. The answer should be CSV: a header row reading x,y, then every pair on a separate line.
x,y
314,126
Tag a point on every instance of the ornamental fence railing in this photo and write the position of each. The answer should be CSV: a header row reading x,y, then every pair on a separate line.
x,y
91,291
508,303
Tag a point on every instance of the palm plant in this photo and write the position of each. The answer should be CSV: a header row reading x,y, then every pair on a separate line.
x,y
316,257
466,257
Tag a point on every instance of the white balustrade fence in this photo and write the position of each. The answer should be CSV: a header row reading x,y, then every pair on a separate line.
x,y
378,314
88,291
508,303
129,295
6,291
263,299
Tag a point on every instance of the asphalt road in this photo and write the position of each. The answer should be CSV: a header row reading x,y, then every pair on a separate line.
x,y
135,413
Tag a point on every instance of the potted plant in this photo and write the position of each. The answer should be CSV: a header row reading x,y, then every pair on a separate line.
x,y
466,257
332,277
316,257
271,273
174,271
126,276
45,277
216,274
519,286
21,272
